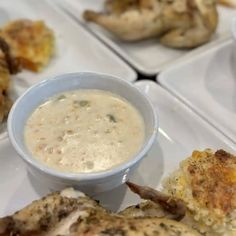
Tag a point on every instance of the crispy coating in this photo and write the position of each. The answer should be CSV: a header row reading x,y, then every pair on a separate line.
x,y
32,42
206,182
213,180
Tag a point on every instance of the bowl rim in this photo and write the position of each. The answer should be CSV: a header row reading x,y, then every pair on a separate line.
x,y
29,159
233,27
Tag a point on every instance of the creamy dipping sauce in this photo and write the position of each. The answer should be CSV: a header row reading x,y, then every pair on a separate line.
x,y
84,131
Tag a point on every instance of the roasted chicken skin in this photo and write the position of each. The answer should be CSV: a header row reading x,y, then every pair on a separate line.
x,y
169,204
178,23
72,214
146,209
114,225
51,215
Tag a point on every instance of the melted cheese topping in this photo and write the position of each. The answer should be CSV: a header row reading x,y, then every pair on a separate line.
x,y
206,182
84,131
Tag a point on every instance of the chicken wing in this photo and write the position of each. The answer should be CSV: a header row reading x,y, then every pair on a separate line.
x,y
134,20
170,204
178,23
203,19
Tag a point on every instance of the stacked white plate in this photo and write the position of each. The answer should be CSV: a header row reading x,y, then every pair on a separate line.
x,y
148,57
207,83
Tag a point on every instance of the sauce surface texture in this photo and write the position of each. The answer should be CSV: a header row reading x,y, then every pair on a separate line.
x,y
84,131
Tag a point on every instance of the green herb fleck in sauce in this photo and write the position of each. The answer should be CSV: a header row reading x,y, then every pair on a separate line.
x,y
111,118
84,103
61,97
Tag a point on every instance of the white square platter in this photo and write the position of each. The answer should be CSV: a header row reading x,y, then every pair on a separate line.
x,y
181,131
207,83
148,57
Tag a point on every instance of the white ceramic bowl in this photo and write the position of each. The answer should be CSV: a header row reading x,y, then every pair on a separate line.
x,y
87,182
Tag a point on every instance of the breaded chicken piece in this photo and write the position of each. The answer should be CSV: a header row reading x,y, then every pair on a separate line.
x,y
206,182
30,41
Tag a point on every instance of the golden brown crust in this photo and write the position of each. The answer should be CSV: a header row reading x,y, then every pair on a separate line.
x,y
228,3
213,180
8,65
206,182
32,42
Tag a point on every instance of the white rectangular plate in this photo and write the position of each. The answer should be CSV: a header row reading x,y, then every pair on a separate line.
x,y
207,83
148,57
76,49
181,131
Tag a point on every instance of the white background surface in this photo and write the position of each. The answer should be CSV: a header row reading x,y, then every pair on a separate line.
x,y
207,83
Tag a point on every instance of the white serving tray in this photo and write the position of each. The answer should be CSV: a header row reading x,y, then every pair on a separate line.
x,y
76,49
207,83
148,57
181,131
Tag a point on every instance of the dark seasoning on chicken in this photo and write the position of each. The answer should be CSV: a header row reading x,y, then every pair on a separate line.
x,y
71,213
176,211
